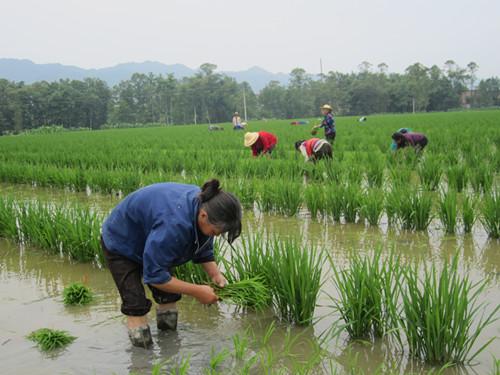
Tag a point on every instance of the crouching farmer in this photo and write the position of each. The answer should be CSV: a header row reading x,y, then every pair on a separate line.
x,y
261,143
155,229
314,149
416,140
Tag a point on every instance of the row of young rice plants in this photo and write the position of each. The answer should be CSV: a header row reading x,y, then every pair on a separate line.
x,y
433,313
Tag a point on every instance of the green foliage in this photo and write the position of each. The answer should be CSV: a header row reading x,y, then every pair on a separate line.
x,y
246,292
49,339
457,177
490,214
77,294
373,206
430,171
448,210
468,213
442,318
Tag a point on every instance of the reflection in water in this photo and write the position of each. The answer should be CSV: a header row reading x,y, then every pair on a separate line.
x,y
31,283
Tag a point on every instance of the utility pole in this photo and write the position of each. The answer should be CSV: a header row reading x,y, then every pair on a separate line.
x,y
413,103
244,103
195,116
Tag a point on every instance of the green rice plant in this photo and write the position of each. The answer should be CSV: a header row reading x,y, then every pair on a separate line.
x,y
468,213
334,201
295,272
400,176
182,367
246,292
442,318
422,203
352,201
216,360
430,171
240,344
448,210
368,292
457,177
482,178
49,339
373,206
191,272
8,215
375,172
490,214
314,198
335,172
288,198
77,294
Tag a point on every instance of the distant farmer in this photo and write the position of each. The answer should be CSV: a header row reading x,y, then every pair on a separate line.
x,y
155,229
417,140
237,124
394,146
262,143
214,128
328,123
314,149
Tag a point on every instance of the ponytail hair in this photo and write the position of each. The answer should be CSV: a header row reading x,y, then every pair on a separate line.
x,y
223,209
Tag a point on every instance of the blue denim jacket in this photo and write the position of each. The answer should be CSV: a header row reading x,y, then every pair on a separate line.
x,y
157,226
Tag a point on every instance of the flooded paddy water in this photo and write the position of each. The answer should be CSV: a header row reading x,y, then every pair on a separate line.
x,y
31,283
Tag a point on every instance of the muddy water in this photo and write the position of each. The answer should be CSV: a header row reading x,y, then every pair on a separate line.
x,y
31,283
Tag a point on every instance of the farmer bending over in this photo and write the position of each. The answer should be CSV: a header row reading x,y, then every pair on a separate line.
x,y
314,149
417,140
328,124
155,229
394,146
262,143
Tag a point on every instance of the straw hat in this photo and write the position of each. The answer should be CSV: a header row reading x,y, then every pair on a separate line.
x,y
327,107
236,114
251,138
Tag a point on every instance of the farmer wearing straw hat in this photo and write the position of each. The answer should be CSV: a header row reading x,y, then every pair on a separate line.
x,y
328,124
262,143
157,228
314,149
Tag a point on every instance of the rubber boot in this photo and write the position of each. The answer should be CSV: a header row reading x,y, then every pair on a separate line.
x,y
166,320
140,336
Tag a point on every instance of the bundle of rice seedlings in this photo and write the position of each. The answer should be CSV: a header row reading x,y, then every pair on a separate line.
x,y
77,294
373,206
49,339
490,214
247,292
468,213
448,210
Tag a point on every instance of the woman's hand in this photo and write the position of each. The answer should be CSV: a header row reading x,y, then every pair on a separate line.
x,y
205,294
219,280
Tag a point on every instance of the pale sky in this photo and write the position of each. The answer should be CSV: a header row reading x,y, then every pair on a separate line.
x,y
235,35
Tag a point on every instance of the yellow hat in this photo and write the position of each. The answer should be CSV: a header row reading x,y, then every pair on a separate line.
x,y
328,107
251,138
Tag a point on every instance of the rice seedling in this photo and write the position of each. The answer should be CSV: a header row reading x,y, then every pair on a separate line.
x,y
191,272
50,339
216,360
314,198
373,206
400,176
288,198
296,280
352,201
77,294
375,172
240,344
334,201
442,318
412,208
430,172
367,290
468,213
448,210
422,203
246,292
457,177
490,214
482,178
8,227
182,367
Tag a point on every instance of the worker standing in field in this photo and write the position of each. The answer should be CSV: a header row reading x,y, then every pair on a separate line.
x,y
237,124
262,143
314,149
328,124
416,140
157,228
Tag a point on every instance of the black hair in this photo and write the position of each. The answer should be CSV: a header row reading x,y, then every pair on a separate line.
x,y
398,136
223,209
298,143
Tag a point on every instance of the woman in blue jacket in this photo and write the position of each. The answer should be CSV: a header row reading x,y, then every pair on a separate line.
x,y
157,228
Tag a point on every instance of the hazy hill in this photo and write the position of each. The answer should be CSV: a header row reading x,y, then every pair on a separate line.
x,y
28,71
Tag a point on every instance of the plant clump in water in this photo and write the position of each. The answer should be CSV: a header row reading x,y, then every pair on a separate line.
x,y
77,294
49,339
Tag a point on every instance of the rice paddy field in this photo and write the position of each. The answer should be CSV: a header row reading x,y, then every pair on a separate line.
x,y
375,263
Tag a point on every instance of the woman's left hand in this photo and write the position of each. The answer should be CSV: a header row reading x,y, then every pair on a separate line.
x,y
219,280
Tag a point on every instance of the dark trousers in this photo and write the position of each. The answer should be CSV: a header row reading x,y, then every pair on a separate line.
x,y
127,275
331,137
324,152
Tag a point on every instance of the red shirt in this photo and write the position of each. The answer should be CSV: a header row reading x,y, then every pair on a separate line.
x,y
265,142
310,145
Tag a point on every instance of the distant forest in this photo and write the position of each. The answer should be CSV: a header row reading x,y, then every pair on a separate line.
x,y
211,97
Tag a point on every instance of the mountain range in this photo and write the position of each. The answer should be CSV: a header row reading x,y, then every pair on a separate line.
x,y
29,72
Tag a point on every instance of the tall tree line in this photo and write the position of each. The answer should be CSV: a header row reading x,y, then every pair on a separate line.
x,y
211,97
